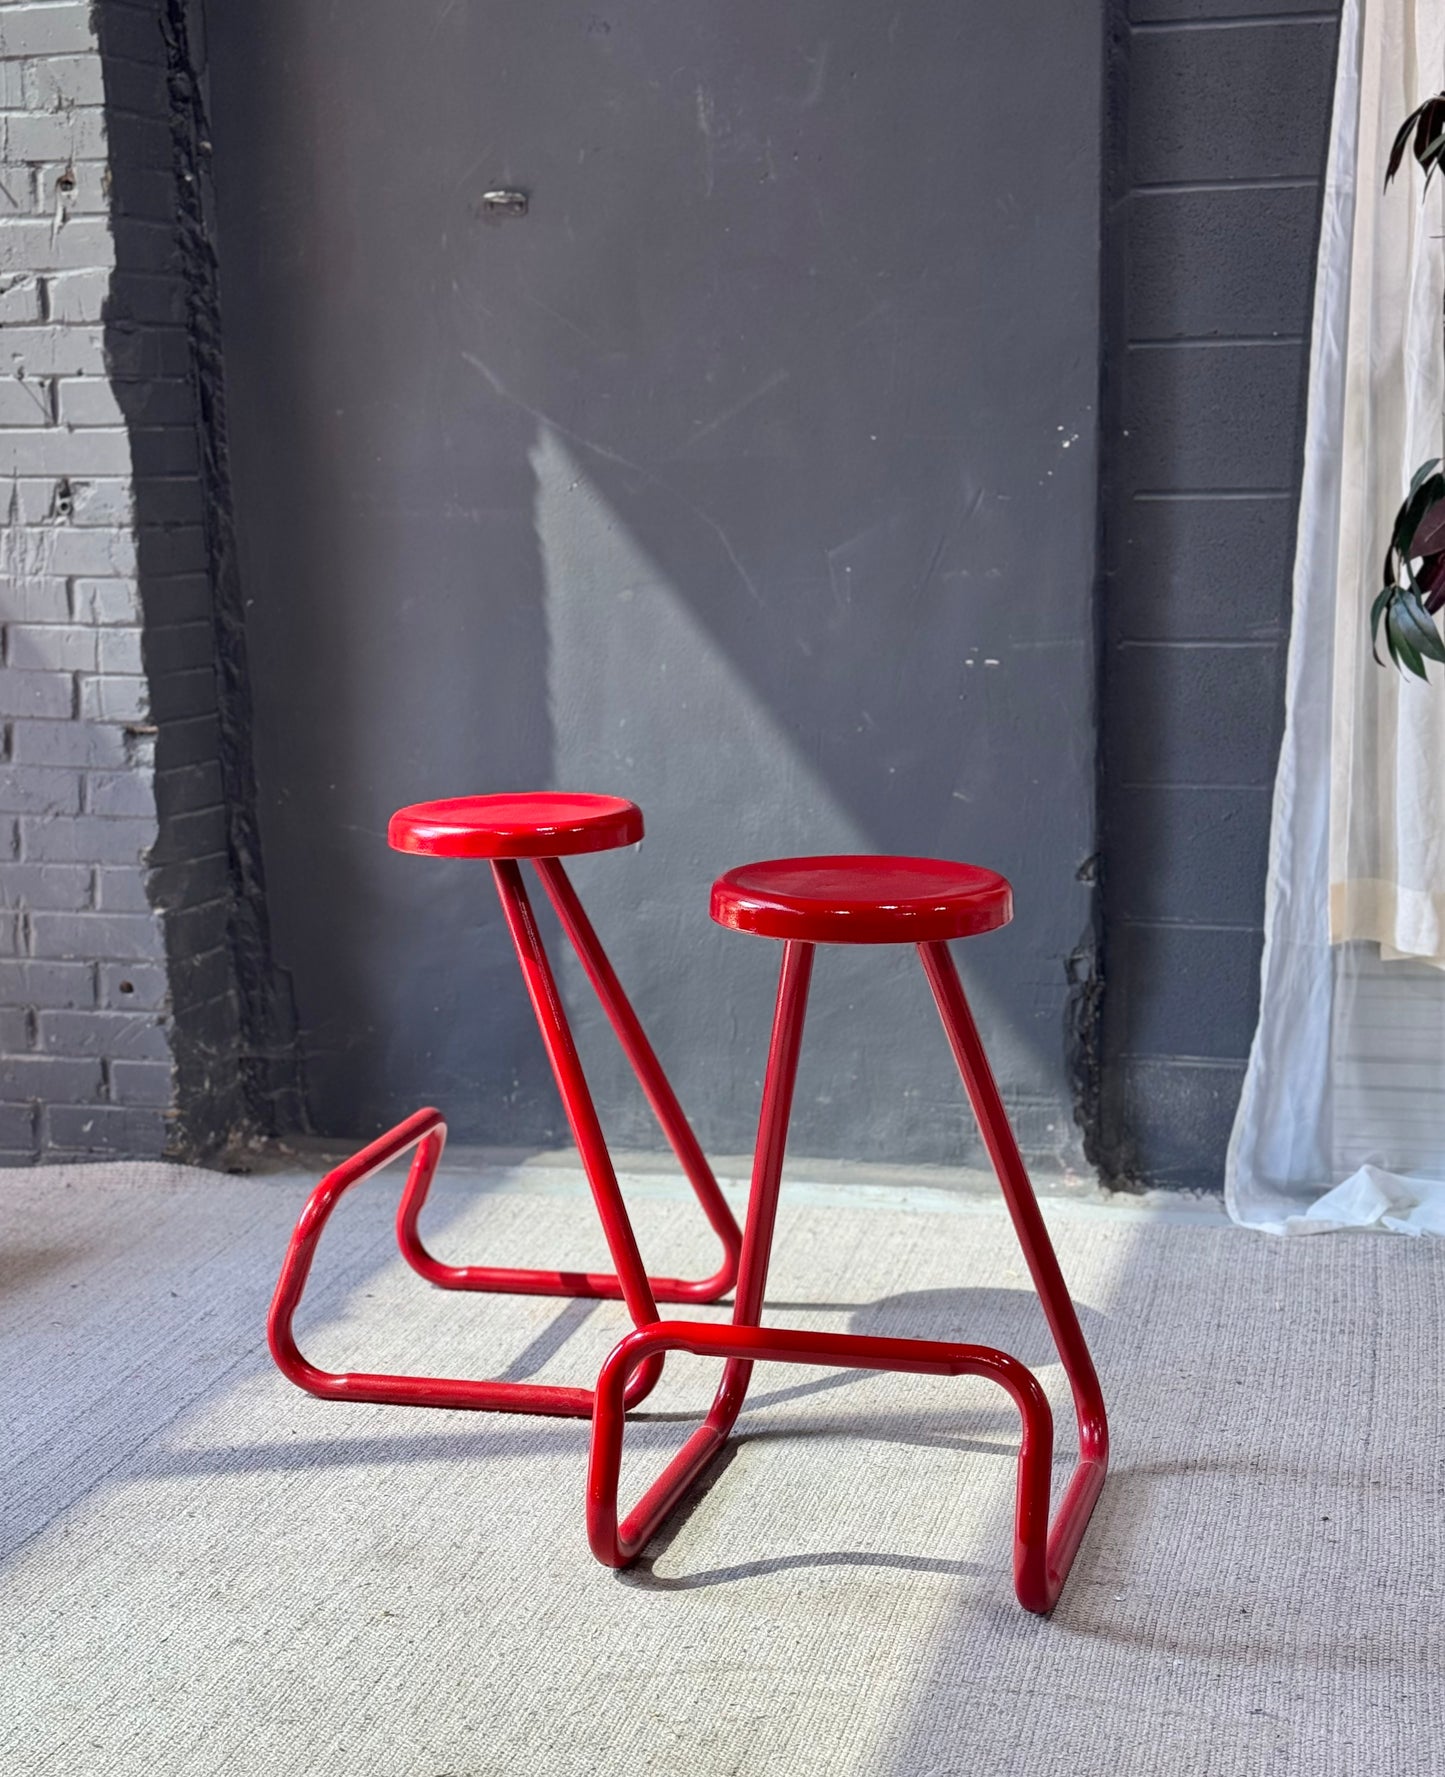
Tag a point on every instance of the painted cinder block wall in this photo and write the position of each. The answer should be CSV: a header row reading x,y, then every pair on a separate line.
x,y
750,474
143,1005
1219,127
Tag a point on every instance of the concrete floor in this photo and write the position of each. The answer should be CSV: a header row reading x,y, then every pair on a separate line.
x,y
204,1570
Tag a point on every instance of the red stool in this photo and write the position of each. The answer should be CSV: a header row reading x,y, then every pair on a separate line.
x,y
865,900
503,829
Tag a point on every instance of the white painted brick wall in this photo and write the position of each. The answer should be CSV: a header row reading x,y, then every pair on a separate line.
x,y
85,1057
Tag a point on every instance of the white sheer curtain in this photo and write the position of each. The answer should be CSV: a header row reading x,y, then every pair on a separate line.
x,y
1342,1119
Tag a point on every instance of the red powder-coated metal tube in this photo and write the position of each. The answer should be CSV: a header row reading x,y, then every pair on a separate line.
x,y
1038,1571
1018,1196
656,1087
582,1118
1043,1553
425,1131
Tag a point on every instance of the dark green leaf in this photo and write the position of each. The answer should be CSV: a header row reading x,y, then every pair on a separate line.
x,y
1427,123
1407,519
1397,152
1390,646
1430,116
1392,637
1402,648
1377,610
1409,515
1424,470
1423,635
1429,158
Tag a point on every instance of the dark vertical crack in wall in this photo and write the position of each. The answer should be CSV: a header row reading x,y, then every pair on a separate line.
x,y
1082,1009
237,1069
269,1059
1088,966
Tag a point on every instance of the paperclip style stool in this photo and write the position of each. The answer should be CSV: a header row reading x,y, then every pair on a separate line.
x,y
544,828
865,900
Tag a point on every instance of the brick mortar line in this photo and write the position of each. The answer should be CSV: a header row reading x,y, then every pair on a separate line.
x,y
53,326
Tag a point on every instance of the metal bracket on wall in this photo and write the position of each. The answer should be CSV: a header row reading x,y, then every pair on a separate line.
x,y
499,206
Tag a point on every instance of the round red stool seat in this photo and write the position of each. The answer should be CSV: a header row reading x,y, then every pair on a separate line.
x,y
862,900
539,824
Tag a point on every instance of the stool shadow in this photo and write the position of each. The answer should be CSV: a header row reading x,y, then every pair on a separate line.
x,y
1012,1319
643,1577
496,1434
569,1319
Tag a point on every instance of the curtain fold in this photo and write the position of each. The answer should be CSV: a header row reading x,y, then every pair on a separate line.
x,y
1387,739
1342,1095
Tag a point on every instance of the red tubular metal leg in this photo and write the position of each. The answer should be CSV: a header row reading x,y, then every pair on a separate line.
x,y
1038,1250
630,1280
1042,1555
794,979
426,1132
656,1087
712,1434
1038,1576
582,1119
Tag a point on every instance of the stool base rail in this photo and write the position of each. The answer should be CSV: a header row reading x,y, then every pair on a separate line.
x,y
586,1130
1042,1557
1043,1554
582,1118
426,1132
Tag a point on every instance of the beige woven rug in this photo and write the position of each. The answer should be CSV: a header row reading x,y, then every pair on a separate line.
x,y
204,1571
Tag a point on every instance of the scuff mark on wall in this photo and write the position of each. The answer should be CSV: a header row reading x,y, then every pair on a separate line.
x,y
612,456
817,76
704,128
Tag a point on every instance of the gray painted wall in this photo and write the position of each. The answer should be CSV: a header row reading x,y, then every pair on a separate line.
x,y
1219,132
751,475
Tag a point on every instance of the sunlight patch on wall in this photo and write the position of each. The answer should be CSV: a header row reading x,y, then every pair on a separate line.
x,y
644,703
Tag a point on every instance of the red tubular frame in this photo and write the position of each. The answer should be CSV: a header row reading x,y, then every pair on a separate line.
x,y
1038,1250
1040,1558
1042,1555
426,1131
